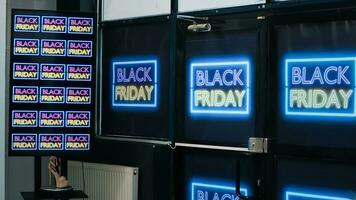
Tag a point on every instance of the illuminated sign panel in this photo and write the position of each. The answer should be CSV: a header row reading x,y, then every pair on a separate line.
x,y
23,141
54,24
80,25
77,72
77,119
214,191
320,87
51,142
77,141
26,47
220,88
53,72
26,23
290,195
78,95
135,83
53,47
25,71
80,48
24,94
52,95
24,118
51,119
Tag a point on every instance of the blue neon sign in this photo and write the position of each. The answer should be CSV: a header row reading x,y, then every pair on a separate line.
x,y
25,94
77,142
320,87
25,71
134,83
54,24
53,72
26,47
53,142
221,87
293,195
50,47
26,23
51,119
80,25
24,118
78,72
78,95
52,95
24,141
78,119
80,48
214,191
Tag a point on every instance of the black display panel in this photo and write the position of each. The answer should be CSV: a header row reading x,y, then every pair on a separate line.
x,y
52,80
315,180
209,175
314,68
135,80
220,91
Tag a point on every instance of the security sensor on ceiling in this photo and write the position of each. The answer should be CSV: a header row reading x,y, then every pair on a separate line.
x,y
206,27
199,24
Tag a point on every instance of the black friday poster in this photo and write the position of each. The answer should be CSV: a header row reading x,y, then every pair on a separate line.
x,y
51,83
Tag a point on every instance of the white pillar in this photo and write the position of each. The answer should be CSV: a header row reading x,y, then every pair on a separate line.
x,y
2,96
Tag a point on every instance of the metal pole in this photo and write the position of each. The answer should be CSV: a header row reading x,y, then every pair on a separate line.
x,y
38,173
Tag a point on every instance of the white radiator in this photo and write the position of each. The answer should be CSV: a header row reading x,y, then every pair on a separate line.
x,y
104,182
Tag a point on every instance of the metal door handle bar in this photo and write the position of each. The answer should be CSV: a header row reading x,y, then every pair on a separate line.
x,y
238,183
137,140
213,147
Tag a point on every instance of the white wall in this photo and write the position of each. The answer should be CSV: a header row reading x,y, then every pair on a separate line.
x,y
125,9
2,96
199,5
34,4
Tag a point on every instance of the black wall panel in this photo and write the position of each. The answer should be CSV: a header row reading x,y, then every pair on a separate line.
x,y
136,43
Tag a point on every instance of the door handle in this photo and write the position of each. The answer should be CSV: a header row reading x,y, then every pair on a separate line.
x,y
238,184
